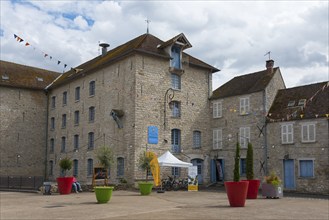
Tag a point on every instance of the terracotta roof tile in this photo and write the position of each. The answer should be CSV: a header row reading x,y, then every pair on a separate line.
x,y
316,105
21,76
245,84
146,43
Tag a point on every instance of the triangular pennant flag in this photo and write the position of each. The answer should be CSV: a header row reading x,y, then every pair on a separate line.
x,y
50,57
65,65
27,44
15,36
46,55
58,62
18,38
21,40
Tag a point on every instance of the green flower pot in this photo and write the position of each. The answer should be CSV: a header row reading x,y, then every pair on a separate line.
x,y
145,188
103,193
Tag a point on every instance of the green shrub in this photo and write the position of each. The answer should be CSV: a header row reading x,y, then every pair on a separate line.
x,y
250,162
237,163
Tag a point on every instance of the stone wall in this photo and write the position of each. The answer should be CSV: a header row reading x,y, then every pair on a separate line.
x,y
23,131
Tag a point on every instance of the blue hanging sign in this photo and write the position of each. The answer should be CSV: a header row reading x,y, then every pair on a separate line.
x,y
152,134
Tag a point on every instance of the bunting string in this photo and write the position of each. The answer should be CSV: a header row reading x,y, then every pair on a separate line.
x,y
45,55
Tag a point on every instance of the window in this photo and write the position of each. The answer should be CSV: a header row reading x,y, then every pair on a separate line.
x,y
65,98
76,117
291,103
51,168
308,133
90,140
243,167
217,109
175,81
175,171
75,167
52,123
53,102
175,57
217,139
120,166
306,168
244,137
92,88
287,134
90,167
52,145
64,121
175,106
77,93
63,145
76,142
244,106
91,114
175,140
196,139
301,102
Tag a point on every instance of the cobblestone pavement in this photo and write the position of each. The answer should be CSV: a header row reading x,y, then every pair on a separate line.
x,y
169,205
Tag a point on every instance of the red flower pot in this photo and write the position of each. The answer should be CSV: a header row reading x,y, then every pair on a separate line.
x,y
236,192
64,185
252,188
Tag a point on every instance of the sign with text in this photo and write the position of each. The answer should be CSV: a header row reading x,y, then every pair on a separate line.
x,y
152,135
193,178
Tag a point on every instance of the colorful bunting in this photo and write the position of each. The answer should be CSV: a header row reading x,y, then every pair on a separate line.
x,y
19,39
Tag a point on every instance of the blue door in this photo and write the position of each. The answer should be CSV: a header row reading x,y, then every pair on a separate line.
x,y
199,164
289,174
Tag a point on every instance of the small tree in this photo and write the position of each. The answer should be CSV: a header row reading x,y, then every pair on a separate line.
x,y
250,162
104,155
144,162
236,177
65,164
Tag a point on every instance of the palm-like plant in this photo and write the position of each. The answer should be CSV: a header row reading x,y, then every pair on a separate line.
x,y
104,155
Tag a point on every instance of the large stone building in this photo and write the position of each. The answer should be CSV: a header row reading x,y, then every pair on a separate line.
x,y
239,114
23,116
113,100
298,136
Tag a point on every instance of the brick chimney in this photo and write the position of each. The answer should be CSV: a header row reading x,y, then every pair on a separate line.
x,y
269,65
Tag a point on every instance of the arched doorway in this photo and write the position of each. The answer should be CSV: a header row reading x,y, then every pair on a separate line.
x,y
199,163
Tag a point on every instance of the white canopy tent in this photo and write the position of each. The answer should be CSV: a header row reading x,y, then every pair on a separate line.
x,y
169,160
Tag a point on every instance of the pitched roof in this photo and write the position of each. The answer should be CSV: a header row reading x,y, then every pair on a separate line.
x,y
316,98
146,43
21,76
245,84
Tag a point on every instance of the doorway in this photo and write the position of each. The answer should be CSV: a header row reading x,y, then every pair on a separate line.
x,y
199,163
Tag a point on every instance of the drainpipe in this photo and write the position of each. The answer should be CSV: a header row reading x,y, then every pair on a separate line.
x,y
46,151
265,132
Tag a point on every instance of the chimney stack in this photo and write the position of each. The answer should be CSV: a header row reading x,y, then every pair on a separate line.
x,y
269,65
104,47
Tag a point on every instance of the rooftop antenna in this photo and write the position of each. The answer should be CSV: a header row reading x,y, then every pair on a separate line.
x,y
269,55
148,22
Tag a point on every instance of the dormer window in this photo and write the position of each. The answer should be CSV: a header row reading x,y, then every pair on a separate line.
x,y
301,102
39,79
291,103
175,57
5,77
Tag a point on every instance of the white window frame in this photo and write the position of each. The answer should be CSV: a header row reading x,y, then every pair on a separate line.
x,y
308,126
244,136
299,168
244,105
217,109
287,137
217,138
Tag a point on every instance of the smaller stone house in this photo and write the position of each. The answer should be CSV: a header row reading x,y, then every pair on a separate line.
x,y
239,109
297,125
23,115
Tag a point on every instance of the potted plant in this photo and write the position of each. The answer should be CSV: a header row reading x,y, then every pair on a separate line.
x,y
236,190
253,183
272,186
105,157
65,183
144,161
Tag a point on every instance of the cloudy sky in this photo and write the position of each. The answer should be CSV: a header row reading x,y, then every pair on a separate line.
x,y
230,35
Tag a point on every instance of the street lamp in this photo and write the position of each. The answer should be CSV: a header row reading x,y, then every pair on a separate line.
x,y
169,95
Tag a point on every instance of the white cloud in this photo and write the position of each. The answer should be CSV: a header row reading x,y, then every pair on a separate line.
x,y
233,36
